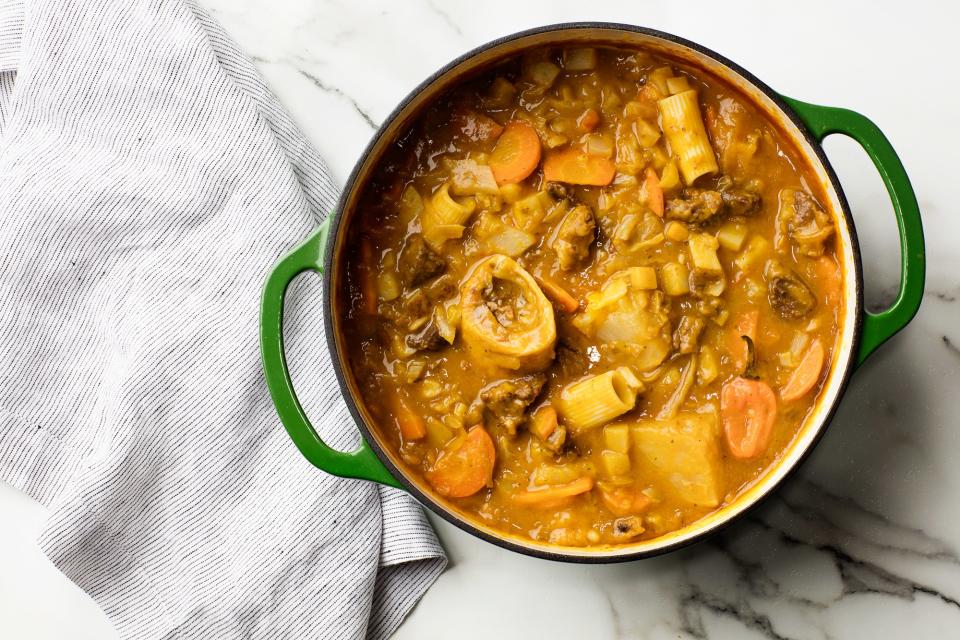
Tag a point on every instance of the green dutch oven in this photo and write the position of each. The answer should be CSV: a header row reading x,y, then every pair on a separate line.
x,y
862,332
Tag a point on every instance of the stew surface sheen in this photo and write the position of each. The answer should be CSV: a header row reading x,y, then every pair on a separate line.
x,y
591,296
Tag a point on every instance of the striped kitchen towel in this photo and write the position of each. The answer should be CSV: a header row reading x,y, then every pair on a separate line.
x,y
148,182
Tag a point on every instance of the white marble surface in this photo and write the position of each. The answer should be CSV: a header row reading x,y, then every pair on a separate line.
x,y
865,541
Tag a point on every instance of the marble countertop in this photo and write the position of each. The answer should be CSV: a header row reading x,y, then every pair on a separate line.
x,y
864,542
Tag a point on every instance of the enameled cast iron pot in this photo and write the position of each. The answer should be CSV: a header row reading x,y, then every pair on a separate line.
x,y
805,124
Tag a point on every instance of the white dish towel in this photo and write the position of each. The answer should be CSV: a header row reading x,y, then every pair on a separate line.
x,y
148,182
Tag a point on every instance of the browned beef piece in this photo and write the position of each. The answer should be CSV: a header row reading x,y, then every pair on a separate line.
x,y
701,206
575,236
695,206
787,293
508,400
569,360
418,262
807,225
428,339
807,210
559,191
627,527
740,202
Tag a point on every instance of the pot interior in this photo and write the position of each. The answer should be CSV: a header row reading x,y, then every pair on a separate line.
x,y
684,53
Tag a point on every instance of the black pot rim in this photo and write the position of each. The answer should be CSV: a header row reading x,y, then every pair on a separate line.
x,y
506,542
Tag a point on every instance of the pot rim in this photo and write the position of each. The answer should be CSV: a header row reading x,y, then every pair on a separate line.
x,y
613,554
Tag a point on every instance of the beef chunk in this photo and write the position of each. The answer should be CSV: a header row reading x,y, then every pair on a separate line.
x,y
569,360
559,191
695,206
807,209
787,294
627,528
740,202
508,400
428,339
418,262
701,206
575,236
806,224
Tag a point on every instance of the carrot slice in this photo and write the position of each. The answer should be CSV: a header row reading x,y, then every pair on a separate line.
x,y
588,120
465,465
748,409
576,167
544,422
654,192
368,278
410,424
624,501
516,154
552,496
559,295
805,376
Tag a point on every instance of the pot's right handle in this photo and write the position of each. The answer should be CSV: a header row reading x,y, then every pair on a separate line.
x,y
822,121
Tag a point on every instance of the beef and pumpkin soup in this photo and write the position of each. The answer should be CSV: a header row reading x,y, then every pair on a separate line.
x,y
590,296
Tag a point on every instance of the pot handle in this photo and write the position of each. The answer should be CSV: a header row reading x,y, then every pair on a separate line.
x,y
362,463
822,121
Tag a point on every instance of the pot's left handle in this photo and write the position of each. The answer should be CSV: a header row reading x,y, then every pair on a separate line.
x,y
362,463
822,121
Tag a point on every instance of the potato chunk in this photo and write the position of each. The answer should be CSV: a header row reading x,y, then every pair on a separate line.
x,y
703,253
682,456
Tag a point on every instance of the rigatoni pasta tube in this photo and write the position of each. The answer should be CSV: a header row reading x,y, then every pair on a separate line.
x,y
681,122
596,400
443,217
445,210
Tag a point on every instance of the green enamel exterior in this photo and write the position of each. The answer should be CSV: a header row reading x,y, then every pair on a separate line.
x,y
362,463
822,121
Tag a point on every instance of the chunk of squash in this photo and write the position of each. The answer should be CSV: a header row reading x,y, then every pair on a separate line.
x,y
681,456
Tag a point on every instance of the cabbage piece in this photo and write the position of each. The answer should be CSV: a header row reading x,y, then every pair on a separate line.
x,y
468,178
628,314
498,237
